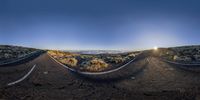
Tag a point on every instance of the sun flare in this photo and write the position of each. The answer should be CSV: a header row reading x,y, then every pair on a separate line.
x,y
155,48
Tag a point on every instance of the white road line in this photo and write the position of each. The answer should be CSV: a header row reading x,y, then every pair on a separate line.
x,y
23,78
148,60
92,73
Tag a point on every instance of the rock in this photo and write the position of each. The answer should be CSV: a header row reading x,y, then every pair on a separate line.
x,y
45,72
197,57
133,78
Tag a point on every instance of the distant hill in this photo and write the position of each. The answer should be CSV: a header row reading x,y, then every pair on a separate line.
x,y
96,51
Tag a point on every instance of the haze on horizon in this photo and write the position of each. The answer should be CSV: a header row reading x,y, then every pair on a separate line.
x,y
99,24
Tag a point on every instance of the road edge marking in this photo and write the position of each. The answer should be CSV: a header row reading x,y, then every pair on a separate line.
x,y
23,78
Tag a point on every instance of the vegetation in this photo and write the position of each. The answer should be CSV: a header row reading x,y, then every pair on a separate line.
x,y
95,65
115,60
13,52
69,61
92,62
186,54
60,54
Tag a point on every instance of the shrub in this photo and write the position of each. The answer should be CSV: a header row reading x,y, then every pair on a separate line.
x,y
95,65
69,61
12,52
182,58
118,60
175,57
131,55
7,55
115,60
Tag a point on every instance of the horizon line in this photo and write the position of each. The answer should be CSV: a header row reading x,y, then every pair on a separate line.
x,y
141,49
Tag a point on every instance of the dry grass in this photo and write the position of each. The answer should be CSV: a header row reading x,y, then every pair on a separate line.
x,y
64,57
69,61
60,54
92,63
96,65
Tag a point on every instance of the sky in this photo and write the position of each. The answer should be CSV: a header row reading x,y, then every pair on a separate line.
x,y
99,24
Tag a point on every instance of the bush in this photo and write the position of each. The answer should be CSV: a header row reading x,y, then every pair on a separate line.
x,y
131,55
95,65
175,57
182,58
7,55
69,61
115,60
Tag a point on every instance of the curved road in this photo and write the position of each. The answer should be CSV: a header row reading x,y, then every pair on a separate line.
x,y
147,78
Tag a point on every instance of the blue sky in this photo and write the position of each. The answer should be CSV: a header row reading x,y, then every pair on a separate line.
x,y
99,24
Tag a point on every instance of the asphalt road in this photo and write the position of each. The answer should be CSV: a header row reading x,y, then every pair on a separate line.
x,y
147,78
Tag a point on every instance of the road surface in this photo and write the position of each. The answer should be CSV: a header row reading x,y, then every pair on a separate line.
x,y
145,79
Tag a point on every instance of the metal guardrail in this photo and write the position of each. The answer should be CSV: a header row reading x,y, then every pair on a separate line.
x,y
94,73
19,59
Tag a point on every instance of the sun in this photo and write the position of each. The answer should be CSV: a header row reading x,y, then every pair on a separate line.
x,y
155,48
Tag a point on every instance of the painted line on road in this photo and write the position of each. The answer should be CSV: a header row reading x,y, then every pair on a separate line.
x,y
148,60
23,78
92,73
